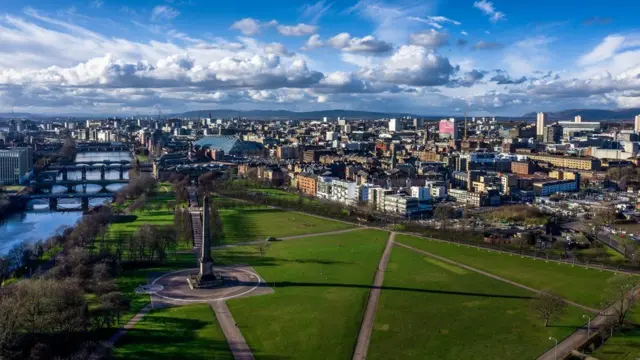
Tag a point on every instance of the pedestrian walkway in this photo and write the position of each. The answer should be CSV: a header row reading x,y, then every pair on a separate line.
x,y
239,347
366,327
467,267
129,325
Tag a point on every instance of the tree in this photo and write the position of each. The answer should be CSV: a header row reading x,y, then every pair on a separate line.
x,y
548,306
444,212
4,269
16,255
606,216
262,248
626,295
68,150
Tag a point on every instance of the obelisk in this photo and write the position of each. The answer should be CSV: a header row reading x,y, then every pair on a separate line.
x,y
206,262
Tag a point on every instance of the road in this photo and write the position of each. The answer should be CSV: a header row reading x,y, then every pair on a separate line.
x,y
366,327
603,236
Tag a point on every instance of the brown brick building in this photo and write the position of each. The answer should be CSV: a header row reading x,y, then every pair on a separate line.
x,y
522,167
307,183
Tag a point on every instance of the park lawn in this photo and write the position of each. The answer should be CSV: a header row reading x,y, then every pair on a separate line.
x,y
429,309
131,278
282,194
321,288
610,256
247,224
184,332
277,193
624,345
584,286
149,215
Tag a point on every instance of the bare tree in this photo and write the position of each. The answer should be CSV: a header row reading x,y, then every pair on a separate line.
x,y
548,306
443,213
626,295
262,248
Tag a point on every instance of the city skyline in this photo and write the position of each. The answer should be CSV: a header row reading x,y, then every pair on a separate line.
x,y
487,58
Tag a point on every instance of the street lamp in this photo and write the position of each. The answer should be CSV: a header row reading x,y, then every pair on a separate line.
x,y
555,348
588,326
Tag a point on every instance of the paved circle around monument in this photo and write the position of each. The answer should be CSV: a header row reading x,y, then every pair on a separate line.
x,y
149,289
176,288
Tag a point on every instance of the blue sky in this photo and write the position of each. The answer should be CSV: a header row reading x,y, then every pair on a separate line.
x,y
427,57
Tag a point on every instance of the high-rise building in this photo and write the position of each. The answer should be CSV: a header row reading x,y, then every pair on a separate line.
x,y
418,123
577,119
636,124
447,128
541,122
553,134
395,125
15,163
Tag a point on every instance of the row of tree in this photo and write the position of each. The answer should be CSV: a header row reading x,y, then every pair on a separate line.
x,y
48,316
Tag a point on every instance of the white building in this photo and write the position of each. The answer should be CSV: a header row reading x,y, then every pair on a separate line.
x,y
577,119
323,187
400,204
552,187
343,191
421,193
437,189
365,192
571,127
377,195
15,164
332,135
541,122
636,124
395,125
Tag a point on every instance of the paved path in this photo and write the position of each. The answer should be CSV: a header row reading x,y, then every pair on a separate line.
x,y
295,237
467,267
237,344
579,337
366,327
129,325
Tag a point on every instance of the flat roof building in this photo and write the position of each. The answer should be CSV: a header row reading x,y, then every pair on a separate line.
x,y
15,164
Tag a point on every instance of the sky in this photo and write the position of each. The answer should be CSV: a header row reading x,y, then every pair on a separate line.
x,y
486,58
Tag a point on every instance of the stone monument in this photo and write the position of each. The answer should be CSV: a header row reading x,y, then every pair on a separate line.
x,y
205,278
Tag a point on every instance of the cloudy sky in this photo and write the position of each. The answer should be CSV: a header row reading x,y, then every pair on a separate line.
x,y
427,57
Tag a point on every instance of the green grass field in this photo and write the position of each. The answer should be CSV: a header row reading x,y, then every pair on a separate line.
x,y
130,279
624,345
584,286
246,224
321,287
432,310
185,332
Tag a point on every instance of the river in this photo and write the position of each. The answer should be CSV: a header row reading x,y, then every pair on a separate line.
x,y
40,223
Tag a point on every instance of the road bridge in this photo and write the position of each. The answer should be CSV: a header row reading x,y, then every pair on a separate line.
x,y
54,198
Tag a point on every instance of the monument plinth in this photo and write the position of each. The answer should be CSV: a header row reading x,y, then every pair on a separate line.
x,y
205,278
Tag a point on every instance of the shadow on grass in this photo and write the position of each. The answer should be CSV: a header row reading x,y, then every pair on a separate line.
x,y
174,338
248,257
237,226
395,288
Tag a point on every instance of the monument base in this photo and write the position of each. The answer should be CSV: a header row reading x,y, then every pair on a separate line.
x,y
208,281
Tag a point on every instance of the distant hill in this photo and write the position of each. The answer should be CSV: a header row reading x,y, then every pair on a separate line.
x,y
591,114
18,116
284,114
